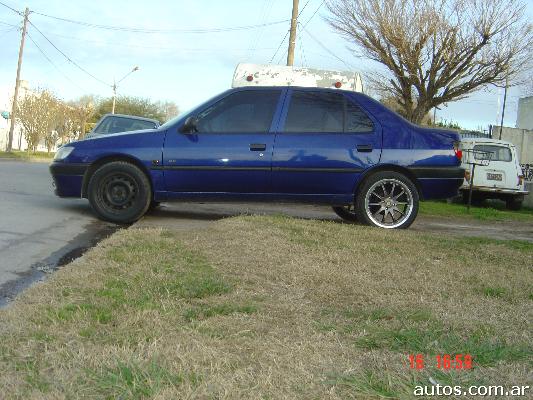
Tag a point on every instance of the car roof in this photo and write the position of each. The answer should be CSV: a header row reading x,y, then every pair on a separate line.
x,y
486,141
133,117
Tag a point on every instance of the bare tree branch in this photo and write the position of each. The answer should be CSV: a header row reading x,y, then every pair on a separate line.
x,y
437,51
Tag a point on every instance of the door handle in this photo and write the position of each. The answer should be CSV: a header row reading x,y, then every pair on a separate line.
x,y
258,147
364,148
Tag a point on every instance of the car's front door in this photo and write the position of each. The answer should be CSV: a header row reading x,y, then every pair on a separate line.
x,y
231,149
323,144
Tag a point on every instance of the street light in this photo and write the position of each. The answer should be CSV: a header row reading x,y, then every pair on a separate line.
x,y
136,68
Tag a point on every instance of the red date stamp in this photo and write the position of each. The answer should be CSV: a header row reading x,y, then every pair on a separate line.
x,y
442,361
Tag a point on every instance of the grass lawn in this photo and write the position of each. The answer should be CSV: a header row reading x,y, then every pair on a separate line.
x,y
24,155
271,308
492,211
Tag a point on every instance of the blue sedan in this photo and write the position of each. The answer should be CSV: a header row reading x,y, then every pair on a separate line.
x,y
312,145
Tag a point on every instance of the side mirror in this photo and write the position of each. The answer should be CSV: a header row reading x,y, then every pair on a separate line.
x,y
189,126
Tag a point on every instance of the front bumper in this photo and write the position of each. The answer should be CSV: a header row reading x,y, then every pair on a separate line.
x,y
68,178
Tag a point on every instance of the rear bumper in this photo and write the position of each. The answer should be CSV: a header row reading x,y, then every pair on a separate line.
x,y
68,178
439,182
488,189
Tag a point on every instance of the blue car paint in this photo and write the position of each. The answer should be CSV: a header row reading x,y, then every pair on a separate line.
x,y
317,168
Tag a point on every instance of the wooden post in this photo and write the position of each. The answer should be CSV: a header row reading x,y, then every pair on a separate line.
x,y
292,36
17,82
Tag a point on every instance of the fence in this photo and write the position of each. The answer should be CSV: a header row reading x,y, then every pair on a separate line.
x,y
527,170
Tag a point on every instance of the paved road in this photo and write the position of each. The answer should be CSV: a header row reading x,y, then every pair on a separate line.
x,y
37,228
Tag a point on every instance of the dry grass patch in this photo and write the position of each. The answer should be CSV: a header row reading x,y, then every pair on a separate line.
x,y
270,307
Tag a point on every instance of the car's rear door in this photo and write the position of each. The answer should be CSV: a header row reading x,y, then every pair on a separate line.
x,y
324,141
231,152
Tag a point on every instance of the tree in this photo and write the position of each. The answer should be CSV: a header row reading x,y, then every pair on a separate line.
x,y
169,109
436,51
37,114
82,110
138,106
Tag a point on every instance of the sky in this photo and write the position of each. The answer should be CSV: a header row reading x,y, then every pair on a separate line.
x,y
189,61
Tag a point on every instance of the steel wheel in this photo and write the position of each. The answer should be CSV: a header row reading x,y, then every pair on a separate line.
x,y
388,203
118,191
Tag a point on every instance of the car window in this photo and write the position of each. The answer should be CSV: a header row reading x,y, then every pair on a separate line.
x,y
242,112
122,124
320,112
499,153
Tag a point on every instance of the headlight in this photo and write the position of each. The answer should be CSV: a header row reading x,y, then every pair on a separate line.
x,y
63,152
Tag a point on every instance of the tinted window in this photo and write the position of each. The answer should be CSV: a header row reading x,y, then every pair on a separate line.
x,y
247,111
122,124
356,120
322,112
499,153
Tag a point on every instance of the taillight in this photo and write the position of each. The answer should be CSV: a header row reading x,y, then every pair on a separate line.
x,y
467,176
520,180
457,150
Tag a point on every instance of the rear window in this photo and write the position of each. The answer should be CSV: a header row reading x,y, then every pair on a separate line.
x,y
499,153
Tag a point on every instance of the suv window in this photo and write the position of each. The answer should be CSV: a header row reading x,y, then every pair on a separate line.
x,y
113,124
242,112
322,112
499,153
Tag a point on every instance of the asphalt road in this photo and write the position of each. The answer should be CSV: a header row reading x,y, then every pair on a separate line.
x,y
37,229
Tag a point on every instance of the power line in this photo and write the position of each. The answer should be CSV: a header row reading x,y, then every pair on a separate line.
x,y
5,23
148,30
279,47
54,65
326,48
68,58
140,46
312,16
11,8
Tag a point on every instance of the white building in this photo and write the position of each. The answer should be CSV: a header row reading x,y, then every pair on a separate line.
x,y
6,104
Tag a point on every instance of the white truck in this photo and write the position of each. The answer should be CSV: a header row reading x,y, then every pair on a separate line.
x,y
277,75
501,178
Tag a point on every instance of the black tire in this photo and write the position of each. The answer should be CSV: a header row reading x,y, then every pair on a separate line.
x,y
119,192
389,192
514,203
347,212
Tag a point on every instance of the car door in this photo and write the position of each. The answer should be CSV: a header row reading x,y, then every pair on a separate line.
x,y
324,142
500,172
231,150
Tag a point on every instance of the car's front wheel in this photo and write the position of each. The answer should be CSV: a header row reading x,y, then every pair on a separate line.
x,y
119,192
387,199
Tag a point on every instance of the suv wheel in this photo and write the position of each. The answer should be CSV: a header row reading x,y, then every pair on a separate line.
x,y
387,199
119,192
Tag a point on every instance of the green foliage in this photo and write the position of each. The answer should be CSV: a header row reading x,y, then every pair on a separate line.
x,y
138,106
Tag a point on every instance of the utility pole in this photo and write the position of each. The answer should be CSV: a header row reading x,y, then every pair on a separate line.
x,y
292,36
114,96
504,101
17,83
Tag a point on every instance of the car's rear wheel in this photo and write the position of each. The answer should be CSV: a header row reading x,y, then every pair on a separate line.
x,y
347,212
387,199
119,192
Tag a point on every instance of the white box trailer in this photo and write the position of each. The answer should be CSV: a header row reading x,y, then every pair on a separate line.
x,y
277,75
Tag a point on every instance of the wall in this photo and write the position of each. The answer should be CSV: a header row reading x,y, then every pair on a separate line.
x,y
524,118
521,138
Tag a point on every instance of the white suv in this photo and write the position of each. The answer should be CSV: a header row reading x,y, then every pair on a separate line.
x,y
501,179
